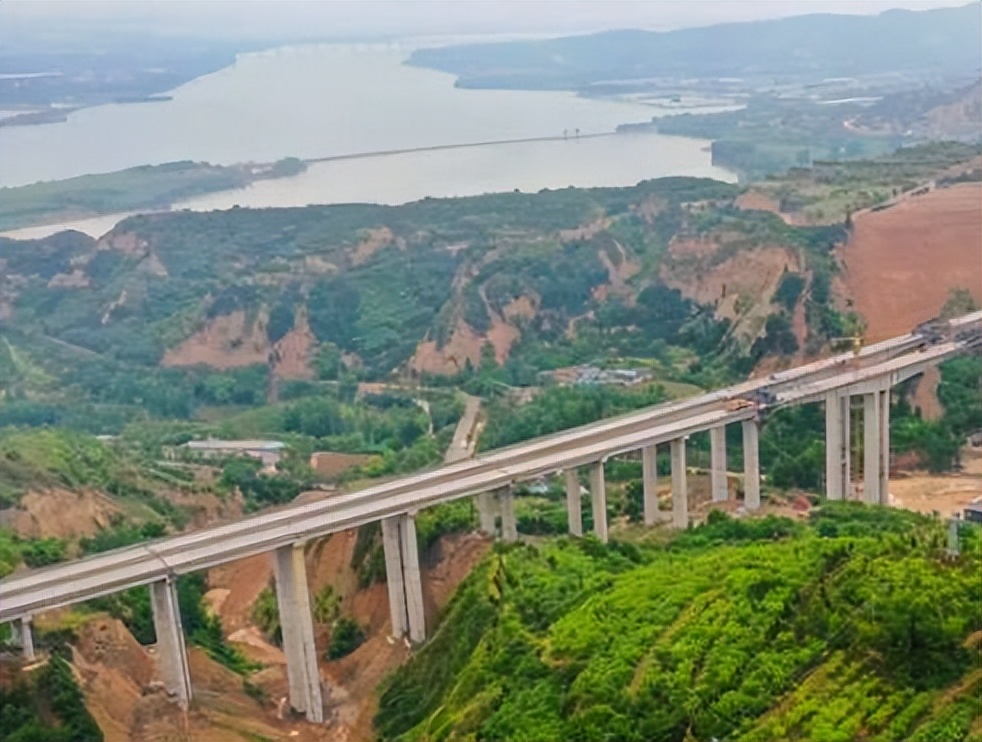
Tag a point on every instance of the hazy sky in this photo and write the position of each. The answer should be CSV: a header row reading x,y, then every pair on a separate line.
x,y
308,18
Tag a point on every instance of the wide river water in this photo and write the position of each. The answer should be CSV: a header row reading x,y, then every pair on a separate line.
x,y
328,100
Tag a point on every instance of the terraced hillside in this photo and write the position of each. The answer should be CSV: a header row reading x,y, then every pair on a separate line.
x,y
855,626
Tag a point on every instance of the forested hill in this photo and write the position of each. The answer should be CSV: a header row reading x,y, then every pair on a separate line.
x,y
169,312
856,626
811,47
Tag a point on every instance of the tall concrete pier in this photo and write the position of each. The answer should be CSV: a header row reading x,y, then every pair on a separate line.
x,y
574,502
649,484
598,496
717,467
297,625
403,577
171,650
751,464
680,487
837,464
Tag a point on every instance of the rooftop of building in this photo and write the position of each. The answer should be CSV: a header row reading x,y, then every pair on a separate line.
x,y
215,444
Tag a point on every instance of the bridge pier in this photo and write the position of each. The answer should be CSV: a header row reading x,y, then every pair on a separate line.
x,y
876,447
574,502
717,470
171,649
837,472
403,578
598,498
751,464
26,638
394,582
871,448
885,446
649,484
680,489
509,524
486,512
297,625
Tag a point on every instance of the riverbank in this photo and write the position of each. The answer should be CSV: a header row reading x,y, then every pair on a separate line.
x,y
147,188
391,178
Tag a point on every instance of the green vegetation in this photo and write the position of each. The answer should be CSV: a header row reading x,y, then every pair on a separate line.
x,y
760,630
47,706
266,615
39,552
827,192
346,637
139,188
749,141
90,358
53,458
558,408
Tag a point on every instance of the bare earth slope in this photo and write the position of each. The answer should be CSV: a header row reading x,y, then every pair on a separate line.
x,y
901,263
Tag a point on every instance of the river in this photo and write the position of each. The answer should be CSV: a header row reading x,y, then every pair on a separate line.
x,y
328,100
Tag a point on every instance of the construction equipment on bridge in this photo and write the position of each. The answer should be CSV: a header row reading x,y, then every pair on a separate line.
x,y
854,341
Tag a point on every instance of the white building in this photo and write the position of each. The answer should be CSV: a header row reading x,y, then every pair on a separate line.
x,y
268,452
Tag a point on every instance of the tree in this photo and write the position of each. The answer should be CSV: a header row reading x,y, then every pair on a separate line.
x,y
327,606
327,363
266,614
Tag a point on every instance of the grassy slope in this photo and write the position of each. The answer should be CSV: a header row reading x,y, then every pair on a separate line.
x,y
854,626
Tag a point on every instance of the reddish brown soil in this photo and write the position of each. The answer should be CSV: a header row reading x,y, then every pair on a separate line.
x,y
740,287
464,345
902,263
352,692
235,587
120,681
293,352
330,464
226,342
945,493
60,513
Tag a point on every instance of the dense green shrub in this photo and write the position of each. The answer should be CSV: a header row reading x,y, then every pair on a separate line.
x,y
346,637
738,629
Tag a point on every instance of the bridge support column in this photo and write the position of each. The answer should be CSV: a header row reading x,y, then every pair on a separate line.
x,y
598,497
394,581
574,502
680,489
872,443
486,512
885,446
297,625
509,524
649,483
26,638
402,576
837,472
751,465
171,649
717,470
413,579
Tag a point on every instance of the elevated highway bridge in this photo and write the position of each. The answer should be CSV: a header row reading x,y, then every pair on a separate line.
x,y
870,374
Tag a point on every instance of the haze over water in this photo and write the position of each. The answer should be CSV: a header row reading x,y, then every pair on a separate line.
x,y
327,100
